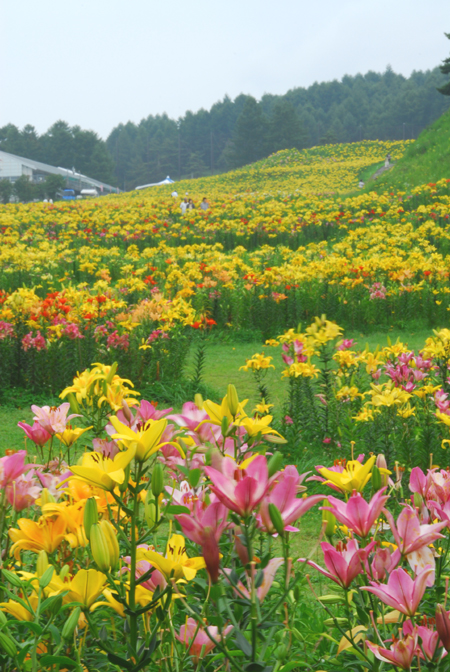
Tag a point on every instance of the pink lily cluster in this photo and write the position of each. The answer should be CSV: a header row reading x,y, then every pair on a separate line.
x,y
293,352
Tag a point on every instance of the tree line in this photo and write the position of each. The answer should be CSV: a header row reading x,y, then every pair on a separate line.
x,y
233,133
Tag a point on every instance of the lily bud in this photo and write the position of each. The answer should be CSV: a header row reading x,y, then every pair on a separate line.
x,y
224,426
151,511
42,563
418,500
111,374
376,478
126,411
113,545
382,465
443,626
198,399
64,571
74,407
99,548
47,497
124,485
90,516
233,400
277,520
274,464
211,555
241,550
157,480
328,520
8,645
71,623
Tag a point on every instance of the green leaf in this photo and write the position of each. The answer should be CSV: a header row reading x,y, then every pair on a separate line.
x,y
34,627
12,578
56,660
121,662
194,477
177,508
56,635
243,644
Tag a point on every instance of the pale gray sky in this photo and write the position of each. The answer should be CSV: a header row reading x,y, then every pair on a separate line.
x,y
97,63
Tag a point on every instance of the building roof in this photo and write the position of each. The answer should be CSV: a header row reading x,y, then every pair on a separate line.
x,y
11,162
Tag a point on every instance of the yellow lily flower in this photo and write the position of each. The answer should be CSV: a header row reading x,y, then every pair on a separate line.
x,y
176,563
146,441
84,587
73,515
45,535
71,434
254,426
218,411
354,477
101,471
110,602
19,612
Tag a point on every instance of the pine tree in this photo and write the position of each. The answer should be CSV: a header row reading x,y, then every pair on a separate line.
x,y
445,69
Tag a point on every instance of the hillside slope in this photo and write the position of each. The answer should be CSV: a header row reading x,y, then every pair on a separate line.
x,y
424,161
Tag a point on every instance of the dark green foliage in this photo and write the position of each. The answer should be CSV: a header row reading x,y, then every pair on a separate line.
x,y
6,191
445,69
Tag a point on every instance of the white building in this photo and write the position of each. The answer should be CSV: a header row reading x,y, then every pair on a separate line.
x,y
12,167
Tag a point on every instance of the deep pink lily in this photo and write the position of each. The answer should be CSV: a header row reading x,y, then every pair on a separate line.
x,y
23,491
240,490
409,534
36,433
357,514
344,562
401,591
384,561
400,654
284,496
191,418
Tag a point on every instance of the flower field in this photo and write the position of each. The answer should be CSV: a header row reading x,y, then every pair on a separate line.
x,y
142,535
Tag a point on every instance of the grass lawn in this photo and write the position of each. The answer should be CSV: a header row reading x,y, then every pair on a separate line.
x,y
222,367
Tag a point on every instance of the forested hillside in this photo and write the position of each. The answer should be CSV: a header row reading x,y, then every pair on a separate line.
x,y
237,132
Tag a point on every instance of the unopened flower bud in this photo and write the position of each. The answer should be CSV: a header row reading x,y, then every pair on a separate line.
x,y
46,497
233,400
151,511
198,399
99,548
113,544
241,549
124,485
64,571
71,623
381,464
376,478
211,555
277,520
126,412
74,406
42,563
111,374
90,515
224,426
274,464
8,645
157,480
381,461
443,626
418,500
328,520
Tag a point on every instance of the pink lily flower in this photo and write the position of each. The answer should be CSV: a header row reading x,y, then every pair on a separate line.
x,y
52,482
23,492
155,580
195,638
384,561
13,466
284,496
268,576
357,514
429,638
36,433
107,448
240,490
443,626
344,562
191,418
400,654
409,534
205,528
53,419
401,591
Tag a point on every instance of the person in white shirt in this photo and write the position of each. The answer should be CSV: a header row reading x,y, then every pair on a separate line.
x,y
204,204
175,194
183,206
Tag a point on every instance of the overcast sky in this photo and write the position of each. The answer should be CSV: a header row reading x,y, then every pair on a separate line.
x,y
97,63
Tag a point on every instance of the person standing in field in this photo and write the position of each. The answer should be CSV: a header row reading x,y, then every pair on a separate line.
x,y
184,206
190,205
204,204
